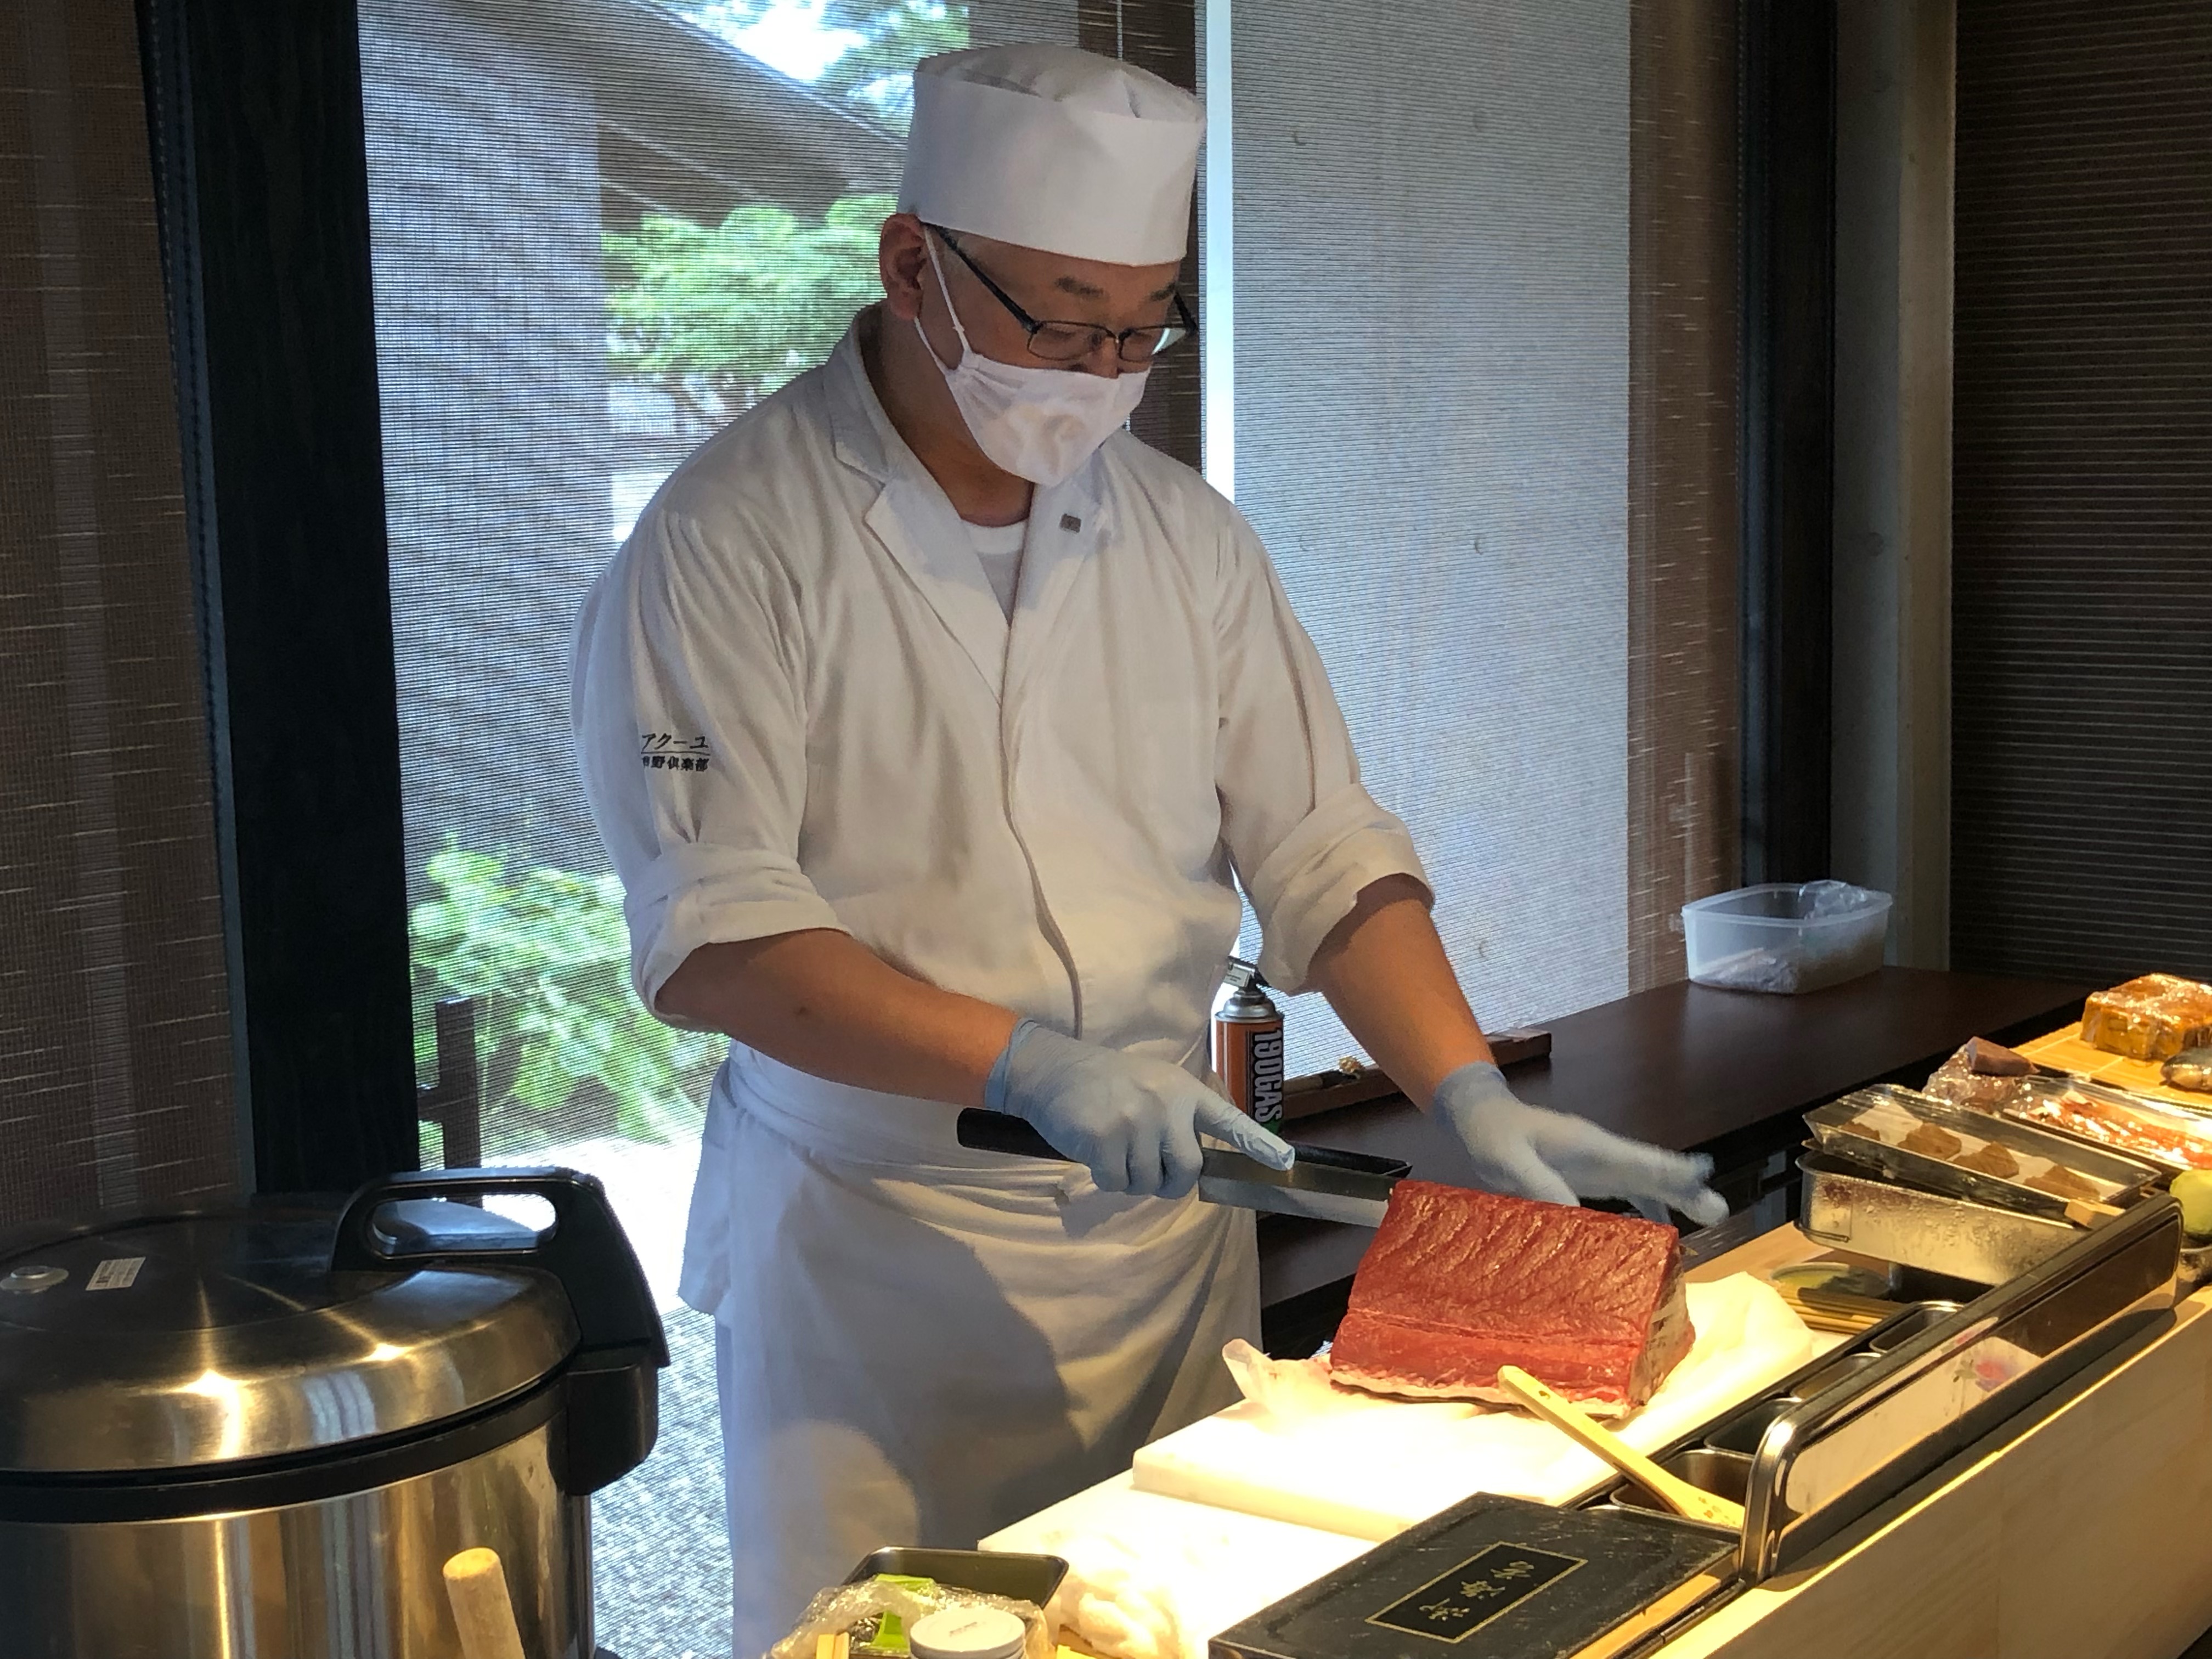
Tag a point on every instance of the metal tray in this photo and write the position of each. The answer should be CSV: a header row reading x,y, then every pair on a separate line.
x,y
2128,1176
1835,1458
1018,1577
1861,1209
1856,1426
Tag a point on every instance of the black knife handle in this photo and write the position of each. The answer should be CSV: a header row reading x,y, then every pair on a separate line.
x,y
1002,1132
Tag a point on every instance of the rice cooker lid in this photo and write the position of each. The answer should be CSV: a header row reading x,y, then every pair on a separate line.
x,y
182,1343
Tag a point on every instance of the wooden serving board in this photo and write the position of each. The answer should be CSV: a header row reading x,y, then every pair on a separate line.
x,y
2065,1049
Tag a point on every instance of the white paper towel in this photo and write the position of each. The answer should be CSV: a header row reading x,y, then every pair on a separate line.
x,y
1367,1468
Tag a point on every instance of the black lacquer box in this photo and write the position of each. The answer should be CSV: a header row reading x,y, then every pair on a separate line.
x,y
1490,1578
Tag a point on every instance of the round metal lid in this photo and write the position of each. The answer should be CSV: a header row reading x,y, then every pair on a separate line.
x,y
186,1343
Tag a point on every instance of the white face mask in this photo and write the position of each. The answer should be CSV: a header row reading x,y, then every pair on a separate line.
x,y
1041,424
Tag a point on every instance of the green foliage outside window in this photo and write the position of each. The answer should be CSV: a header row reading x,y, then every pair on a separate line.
x,y
719,316
716,316
566,1048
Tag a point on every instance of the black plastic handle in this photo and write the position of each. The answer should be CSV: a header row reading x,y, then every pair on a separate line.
x,y
585,1248
980,1131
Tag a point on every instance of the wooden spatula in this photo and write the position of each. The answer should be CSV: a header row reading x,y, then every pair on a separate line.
x,y
1677,1494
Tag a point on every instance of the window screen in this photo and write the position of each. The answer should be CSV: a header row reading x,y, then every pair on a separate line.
x,y
1484,373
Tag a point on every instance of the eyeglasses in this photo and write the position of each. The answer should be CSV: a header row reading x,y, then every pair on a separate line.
x,y
1071,342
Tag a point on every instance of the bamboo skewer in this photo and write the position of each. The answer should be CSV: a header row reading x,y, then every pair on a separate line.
x,y
1836,1310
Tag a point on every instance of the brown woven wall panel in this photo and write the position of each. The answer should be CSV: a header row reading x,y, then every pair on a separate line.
x,y
115,1075
2082,505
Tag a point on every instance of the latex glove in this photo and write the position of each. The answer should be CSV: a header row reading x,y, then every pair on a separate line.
x,y
1557,1157
1133,1120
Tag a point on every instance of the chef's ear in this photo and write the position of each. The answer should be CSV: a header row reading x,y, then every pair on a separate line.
x,y
902,257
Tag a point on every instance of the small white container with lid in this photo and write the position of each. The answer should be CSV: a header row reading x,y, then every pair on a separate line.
x,y
967,1633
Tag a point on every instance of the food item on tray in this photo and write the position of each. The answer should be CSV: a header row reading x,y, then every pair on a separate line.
x,y
1982,1077
2194,1188
2191,1069
1986,1059
1990,1159
2141,1131
1933,1140
1458,1283
1888,1118
2154,1018
2062,1182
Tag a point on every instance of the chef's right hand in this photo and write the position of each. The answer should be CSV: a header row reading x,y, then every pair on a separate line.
x,y
1134,1121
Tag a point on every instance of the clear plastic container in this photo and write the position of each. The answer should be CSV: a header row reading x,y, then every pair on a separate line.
x,y
1785,938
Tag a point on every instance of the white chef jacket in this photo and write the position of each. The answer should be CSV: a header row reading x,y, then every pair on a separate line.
x,y
799,705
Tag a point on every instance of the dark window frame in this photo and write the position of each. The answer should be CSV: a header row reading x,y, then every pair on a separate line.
x,y
262,185
1787,448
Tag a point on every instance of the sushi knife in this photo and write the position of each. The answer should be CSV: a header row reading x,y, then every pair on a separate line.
x,y
1323,1185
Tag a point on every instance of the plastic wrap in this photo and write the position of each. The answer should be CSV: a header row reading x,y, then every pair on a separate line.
x,y
2151,1018
859,1609
1982,1077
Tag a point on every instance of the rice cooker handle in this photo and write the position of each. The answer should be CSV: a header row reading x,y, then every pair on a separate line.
x,y
585,1248
610,1410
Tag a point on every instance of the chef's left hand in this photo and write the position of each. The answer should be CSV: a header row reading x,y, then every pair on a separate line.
x,y
1532,1153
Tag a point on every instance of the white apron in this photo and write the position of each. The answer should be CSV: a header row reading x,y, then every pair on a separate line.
x,y
919,1344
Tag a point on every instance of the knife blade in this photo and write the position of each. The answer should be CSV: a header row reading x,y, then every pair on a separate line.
x,y
1323,1185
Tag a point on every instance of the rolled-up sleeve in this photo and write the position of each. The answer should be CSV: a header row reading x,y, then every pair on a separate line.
x,y
1305,836
689,710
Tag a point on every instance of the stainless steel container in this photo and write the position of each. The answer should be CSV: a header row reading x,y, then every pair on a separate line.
x,y
1856,1209
262,1433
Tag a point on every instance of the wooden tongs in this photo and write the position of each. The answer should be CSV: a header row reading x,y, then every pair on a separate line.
x,y
1694,1503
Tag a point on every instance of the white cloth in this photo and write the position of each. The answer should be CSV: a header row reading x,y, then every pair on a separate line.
x,y
999,547
1049,147
800,705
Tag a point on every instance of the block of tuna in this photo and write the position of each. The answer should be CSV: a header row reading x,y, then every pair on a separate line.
x,y
1458,1283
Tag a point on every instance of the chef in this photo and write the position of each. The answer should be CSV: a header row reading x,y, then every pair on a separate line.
x,y
933,722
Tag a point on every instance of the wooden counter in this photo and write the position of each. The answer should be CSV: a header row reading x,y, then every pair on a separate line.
x,y
1727,1072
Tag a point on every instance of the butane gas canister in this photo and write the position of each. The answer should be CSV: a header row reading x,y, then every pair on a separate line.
x,y
1247,1044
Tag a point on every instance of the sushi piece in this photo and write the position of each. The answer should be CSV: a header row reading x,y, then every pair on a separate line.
x,y
1990,1159
2062,1182
1935,1140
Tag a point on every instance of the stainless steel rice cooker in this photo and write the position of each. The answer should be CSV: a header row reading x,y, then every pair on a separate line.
x,y
262,1433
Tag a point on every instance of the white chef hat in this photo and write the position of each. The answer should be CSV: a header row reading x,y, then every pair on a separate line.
x,y
1051,147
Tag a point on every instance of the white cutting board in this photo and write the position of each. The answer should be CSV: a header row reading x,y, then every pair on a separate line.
x,y
1368,1468
1214,1566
